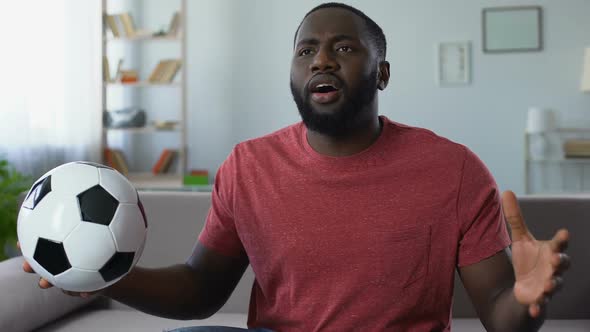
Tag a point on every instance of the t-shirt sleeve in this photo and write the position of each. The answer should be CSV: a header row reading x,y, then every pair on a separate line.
x,y
482,225
219,233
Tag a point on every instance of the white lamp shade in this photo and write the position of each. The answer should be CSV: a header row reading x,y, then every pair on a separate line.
x,y
539,120
585,86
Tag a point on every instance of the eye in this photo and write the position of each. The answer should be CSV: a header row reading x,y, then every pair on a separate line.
x,y
345,49
305,51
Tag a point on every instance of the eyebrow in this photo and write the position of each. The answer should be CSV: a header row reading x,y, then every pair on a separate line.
x,y
315,41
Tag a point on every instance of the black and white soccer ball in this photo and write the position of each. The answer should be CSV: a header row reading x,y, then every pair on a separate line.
x,y
82,226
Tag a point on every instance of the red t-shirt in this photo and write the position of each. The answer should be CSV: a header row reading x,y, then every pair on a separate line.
x,y
367,242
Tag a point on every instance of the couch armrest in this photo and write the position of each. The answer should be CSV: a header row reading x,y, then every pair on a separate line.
x,y
23,305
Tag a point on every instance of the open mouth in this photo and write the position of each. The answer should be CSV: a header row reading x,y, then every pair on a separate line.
x,y
324,90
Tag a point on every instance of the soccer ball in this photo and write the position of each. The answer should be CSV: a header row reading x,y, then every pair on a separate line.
x,y
82,226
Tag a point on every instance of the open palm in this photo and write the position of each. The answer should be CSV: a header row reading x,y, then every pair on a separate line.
x,y
538,265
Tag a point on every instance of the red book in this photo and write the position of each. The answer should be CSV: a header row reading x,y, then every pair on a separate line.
x,y
109,158
159,165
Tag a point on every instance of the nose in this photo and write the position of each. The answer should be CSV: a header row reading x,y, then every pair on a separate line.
x,y
324,61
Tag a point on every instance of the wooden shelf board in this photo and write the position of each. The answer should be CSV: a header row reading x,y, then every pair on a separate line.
x,y
147,129
144,84
149,180
144,38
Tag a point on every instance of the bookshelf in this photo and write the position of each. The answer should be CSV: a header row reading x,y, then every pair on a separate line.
x,y
134,82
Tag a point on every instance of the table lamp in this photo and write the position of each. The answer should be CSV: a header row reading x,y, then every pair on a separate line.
x,y
585,85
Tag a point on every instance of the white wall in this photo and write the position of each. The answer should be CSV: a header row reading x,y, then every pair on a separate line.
x,y
488,116
240,51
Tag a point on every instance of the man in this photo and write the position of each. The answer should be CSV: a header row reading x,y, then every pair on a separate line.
x,y
352,221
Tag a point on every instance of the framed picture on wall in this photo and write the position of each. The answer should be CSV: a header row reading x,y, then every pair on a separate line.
x,y
453,63
512,29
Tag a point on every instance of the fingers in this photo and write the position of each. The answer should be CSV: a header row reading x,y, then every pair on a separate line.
x,y
44,283
514,216
560,240
27,268
560,262
535,310
82,295
552,286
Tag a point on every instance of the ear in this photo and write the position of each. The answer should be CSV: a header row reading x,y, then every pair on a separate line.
x,y
383,75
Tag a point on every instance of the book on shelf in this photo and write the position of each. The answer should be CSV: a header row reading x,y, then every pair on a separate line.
x,y
118,73
577,148
114,158
174,26
165,71
106,71
163,163
111,23
128,25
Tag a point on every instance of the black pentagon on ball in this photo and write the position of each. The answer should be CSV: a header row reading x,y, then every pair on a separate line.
x,y
118,265
39,190
97,165
97,205
51,256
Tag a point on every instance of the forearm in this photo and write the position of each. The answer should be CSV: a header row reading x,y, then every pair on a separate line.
x,y
507,315
176,292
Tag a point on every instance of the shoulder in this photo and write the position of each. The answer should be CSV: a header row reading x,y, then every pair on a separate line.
x,y
424,141
281,142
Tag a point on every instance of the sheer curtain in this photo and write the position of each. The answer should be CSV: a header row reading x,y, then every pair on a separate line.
x,y
50,82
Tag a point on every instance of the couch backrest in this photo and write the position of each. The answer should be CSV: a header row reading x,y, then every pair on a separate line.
x,y
176,218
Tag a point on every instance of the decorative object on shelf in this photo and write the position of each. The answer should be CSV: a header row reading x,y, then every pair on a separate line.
x,y
585,84
130,117
512,29
576,148
453,63
165,125
539,122
197,177
165,71
129,76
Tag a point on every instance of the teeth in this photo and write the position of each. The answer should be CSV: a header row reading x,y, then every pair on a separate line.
x,y
323,85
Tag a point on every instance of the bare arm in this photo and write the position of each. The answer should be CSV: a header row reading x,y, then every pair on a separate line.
x,y
489,284
194,290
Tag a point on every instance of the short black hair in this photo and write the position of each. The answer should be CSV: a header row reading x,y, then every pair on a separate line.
x,y
375,32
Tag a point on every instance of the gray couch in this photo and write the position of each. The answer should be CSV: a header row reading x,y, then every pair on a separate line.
x,y
175,219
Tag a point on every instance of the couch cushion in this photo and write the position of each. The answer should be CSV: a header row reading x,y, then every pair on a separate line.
x,y
24,305
88,320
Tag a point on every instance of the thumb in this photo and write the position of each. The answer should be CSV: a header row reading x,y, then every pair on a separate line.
x,y
514,216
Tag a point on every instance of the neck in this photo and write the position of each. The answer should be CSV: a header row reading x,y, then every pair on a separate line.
x,y
347,145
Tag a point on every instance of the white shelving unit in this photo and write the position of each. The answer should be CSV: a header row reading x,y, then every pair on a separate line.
x,y
554,173
141,178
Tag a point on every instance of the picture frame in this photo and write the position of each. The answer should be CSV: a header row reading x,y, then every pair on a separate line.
x,y
453,63
512,29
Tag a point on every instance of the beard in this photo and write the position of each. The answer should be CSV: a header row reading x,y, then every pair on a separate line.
x,y
348,118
